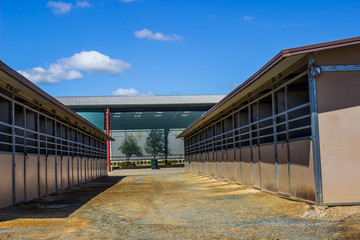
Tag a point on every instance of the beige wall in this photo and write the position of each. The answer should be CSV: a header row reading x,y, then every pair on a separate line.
x,y
339,128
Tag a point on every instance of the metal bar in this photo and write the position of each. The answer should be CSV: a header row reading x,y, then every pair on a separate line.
x,y
287,137
108,141
13,146
25,152
315,131
336,68
38,147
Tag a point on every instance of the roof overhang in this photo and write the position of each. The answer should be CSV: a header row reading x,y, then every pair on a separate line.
x,y
25,89
283,60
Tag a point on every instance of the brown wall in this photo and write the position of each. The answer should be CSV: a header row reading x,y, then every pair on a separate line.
x,y
32,186
6,187
267,158
42,174
339,128
283,169
246,166
231,165
302,170
238,166
256,167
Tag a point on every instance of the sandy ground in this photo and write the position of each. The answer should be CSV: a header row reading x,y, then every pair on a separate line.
x,y
171,204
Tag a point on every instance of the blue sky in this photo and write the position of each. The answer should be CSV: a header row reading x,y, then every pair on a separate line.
x,y
104,47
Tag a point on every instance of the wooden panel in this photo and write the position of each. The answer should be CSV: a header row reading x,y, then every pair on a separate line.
x,y
225,165
32,180
58,172
6,186
19,178
238,166
267,164
246,166
211,164
256,167
219,167
75,171
302,170
339,145
51,174
42,172
283,168
65,172
231,165
339,129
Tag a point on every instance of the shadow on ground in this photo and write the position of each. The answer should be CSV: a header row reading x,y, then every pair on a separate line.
x,y
61,204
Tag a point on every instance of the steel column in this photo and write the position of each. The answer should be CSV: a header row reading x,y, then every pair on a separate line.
x,y
315,129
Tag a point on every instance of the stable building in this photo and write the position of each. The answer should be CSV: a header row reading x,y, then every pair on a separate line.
x,y
120,116
293,128
44,146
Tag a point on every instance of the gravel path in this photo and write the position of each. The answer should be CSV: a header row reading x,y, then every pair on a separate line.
x,y
171,204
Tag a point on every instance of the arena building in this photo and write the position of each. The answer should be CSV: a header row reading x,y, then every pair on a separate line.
x,y
137,115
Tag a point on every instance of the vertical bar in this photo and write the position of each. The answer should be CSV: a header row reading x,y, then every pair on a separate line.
x,y
38,146
287,137
275,138
240,160
250,139
108,141
25,151
56,152
13,146
315,131
46,154
234,143
258,138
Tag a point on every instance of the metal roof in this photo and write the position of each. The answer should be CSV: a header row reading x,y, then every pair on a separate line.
x,y
140,100
27,90
281,60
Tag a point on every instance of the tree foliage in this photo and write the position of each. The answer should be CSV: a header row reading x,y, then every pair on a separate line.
x,y
130,147
155,143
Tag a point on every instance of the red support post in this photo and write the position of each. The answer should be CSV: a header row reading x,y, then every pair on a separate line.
x,y
108,141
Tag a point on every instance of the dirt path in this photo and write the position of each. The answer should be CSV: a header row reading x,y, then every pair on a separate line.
x,y
170,204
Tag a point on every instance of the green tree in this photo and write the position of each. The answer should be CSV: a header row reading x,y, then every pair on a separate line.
x,y
130,147
155,143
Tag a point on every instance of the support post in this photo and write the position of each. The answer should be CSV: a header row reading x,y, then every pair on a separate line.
x,y
108,141
166,141
315,130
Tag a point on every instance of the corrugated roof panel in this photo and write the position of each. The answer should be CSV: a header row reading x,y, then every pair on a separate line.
x,y
140,100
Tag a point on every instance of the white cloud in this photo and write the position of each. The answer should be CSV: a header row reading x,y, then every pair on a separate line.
x,y
146,33
248,18
82,4
53,74
129,91
59,7
125,91
95,62
69,68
